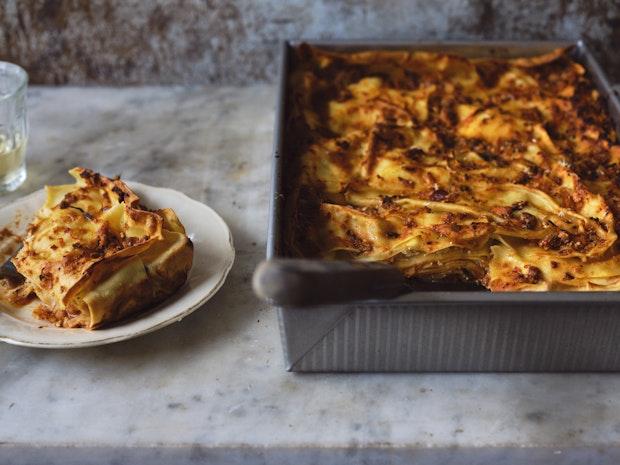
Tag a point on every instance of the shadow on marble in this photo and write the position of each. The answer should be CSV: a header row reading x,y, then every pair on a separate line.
x,y
353,455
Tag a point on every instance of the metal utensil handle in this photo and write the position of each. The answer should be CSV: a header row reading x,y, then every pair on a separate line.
x,y
304,282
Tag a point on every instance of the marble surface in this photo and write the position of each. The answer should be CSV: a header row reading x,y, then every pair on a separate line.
x,y
213,387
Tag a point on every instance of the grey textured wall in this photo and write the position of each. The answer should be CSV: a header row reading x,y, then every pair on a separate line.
x,y
235,41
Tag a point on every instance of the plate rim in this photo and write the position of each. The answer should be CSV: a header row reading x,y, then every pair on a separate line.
x,y
227,266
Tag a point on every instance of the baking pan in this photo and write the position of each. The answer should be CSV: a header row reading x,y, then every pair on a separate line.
x,y
442,330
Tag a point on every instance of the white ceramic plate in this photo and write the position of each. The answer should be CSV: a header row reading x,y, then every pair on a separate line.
x,y
213,258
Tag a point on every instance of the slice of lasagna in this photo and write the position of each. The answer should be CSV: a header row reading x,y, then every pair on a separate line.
x,y
94,254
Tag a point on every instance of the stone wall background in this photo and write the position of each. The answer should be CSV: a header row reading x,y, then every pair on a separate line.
x,y
236,41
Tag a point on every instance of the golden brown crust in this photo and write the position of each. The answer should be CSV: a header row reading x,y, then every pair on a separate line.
x,y
94,255
450,166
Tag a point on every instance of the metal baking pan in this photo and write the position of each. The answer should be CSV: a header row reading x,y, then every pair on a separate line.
x,y
446,331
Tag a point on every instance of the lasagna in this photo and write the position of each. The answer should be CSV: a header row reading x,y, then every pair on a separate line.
x,y
94,254
499,172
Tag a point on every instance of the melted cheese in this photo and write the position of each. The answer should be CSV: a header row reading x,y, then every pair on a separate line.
x,y
500,171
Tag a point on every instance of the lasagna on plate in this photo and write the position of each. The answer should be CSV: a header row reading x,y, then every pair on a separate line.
x,y
503,173
94,254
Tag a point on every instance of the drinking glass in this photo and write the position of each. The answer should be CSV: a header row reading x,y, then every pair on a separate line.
x,y
13,126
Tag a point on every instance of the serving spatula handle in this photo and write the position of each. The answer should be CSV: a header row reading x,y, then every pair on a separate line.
x,y
304,282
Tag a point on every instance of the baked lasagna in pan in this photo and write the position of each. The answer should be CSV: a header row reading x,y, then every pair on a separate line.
x,y
94,254
500,172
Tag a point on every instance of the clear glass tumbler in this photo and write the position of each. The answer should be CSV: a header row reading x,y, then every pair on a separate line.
x,y
13,126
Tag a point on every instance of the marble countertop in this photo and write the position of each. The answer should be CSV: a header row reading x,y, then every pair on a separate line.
x,y
213,387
